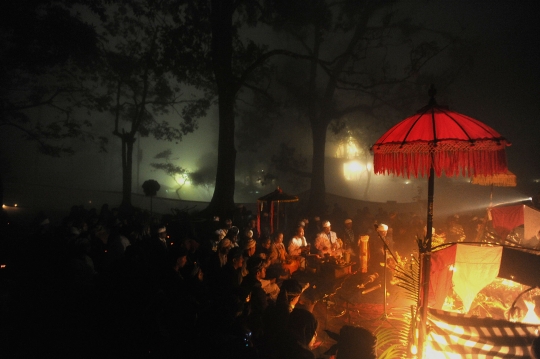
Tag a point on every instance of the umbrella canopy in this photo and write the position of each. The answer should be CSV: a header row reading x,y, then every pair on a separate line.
x,y
278,196
441,139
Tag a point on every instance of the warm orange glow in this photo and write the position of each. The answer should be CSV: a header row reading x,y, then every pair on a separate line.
x,y
15,205
2,266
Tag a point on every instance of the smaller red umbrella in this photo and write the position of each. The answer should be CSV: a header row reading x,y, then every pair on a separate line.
x,y
276,196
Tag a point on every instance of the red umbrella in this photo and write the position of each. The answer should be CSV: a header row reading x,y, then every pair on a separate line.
x,y
435,141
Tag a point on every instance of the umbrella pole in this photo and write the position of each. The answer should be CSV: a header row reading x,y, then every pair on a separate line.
x,y
425,250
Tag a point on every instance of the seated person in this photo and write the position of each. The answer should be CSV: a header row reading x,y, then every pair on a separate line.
x,y
278,253
327,242
298,246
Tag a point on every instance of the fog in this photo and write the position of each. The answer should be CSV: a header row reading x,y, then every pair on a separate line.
x,y
501,90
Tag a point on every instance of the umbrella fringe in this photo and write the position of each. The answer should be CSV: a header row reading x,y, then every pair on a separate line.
x,y
452,163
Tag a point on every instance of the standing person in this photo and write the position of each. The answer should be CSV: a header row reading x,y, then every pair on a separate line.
x,y
348,236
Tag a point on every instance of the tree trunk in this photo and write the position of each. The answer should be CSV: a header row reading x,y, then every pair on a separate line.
x,y
127,167
222,202
317,197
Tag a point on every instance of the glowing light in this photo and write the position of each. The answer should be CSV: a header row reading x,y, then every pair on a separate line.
x,y
509,283
348,149
530,317
182,179
2,266
452,268
15,205
3,206
352,170
90,201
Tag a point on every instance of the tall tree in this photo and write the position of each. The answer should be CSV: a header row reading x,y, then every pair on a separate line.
x,y
361,56
138,80
224,58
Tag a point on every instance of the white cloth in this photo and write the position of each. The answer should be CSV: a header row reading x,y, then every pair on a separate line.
x,y
328,243
295,244
475,267
531,219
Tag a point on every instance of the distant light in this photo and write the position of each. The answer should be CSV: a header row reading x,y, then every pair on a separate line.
x,y
2,266
536,180
90,201
407,182
182,179
15,205
3,206
352,170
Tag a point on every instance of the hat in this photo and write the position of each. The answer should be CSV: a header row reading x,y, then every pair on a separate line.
x,y
326,224
162,229
348,220
250,244
382,227
249,233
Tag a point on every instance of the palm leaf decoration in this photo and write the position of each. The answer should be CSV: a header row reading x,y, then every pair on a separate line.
x,y
396,340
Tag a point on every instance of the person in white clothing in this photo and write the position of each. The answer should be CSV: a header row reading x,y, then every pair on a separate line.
x,y
327,241
297,246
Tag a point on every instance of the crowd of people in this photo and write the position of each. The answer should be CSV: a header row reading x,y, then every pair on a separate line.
x,y
103,284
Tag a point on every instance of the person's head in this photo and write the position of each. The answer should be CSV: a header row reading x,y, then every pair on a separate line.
x,y
235,257
382,229
249,247
326,227
224,246
356,342
253,223
348,223
278,237
266,242
302,326
300,231
178,257
162,232
256,267
291,290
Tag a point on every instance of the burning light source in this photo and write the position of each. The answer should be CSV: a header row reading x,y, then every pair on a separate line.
x,y
352,170
182,179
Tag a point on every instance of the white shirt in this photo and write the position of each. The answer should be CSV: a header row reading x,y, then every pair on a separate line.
x,y
295,244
